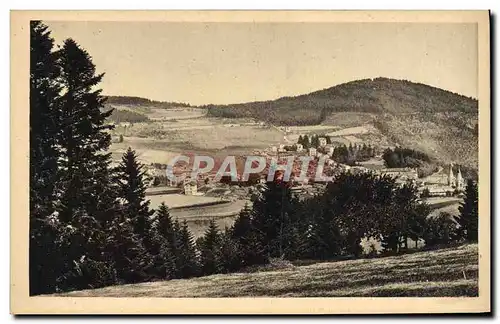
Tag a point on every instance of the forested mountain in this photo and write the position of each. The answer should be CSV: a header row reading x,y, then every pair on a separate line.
x,y
379,96
440,123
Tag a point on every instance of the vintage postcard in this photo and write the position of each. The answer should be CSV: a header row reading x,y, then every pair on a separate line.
x,y
250,162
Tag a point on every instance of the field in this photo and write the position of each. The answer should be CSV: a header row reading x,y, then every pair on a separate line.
x,y
171,132
180,200
439,273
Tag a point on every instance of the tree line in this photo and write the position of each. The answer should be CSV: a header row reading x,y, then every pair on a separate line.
x,y
400,157
312,141
91,225
352,154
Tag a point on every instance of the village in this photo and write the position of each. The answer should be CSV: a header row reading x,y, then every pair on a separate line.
x,y
442,183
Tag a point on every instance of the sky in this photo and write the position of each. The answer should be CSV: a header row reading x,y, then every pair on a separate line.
x,y
222,63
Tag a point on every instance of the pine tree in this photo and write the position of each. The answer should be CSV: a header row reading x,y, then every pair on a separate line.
x,y
209,246
229,252
44,251
88,200
251,249
187,261
469,215
131,259
165,241
133,191
271,215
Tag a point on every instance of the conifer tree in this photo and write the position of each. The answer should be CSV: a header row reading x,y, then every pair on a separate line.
x,y
88,200
229,253
307,142
131,259
251,249
209,246
270,216
44,256
165,242
469,214
133,191
187,261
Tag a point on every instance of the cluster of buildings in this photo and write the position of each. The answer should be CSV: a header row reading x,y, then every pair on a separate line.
x,y
441,183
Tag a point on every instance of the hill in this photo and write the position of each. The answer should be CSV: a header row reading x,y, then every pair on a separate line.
x,y
129,100
446,272
438,122
378,96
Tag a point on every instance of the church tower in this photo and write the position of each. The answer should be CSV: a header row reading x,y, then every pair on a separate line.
x,y
451,177
460,180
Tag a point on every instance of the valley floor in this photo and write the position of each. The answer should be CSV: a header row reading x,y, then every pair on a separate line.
x,y
439,273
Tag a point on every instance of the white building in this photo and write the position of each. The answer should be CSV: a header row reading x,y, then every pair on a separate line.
x,y
190,187
322,141
274,149
312,151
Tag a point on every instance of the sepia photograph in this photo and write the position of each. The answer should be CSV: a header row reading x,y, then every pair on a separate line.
x,y
241,162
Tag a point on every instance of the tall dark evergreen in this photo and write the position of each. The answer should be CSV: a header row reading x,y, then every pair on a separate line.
x,y
209,247
229,253
44,254
132,261
469,214
88,199
246,237
133,191
165,242
271,214
187,260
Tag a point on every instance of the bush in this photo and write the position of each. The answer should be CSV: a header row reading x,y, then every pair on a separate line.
x,y
439,230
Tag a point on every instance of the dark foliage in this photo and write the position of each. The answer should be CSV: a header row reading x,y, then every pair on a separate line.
x,y
439,230
404,157
127,100
351,154
469,214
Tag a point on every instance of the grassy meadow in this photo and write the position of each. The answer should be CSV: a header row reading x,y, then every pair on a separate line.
x,y
438,273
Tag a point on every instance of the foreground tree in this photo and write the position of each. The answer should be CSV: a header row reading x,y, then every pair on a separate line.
x,y
439,230
187,261
44,254
210,252
88,199
469,215
246,238
270,216
133,192
165,241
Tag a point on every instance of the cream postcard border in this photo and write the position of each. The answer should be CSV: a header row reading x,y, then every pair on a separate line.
x,y
22,303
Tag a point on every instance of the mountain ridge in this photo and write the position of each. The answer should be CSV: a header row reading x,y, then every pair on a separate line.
x,y
378,95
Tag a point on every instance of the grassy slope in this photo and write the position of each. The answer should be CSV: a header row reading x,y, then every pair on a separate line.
x,y
434,273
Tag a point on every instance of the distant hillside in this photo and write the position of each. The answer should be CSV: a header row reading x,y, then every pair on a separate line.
x,y
378,96
435,121
127,100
